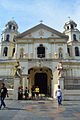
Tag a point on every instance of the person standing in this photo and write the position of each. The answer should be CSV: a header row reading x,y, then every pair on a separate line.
x,y
4,92
20,93
33,92
37,92
26,93
59,95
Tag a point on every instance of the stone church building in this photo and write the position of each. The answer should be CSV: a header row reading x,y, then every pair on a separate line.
x,y
39,50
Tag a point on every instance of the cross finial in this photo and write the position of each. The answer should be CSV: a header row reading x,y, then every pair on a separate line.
x,y
41,21
12,18
69,17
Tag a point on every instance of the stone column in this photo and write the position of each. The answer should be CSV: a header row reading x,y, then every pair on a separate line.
x,y
27,83
16,85
52,84
61,83
24,84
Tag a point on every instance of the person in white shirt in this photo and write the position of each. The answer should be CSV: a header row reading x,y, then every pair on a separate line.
x,y
59,95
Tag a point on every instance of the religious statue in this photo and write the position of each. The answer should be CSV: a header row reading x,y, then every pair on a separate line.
x,y
59,68
18,70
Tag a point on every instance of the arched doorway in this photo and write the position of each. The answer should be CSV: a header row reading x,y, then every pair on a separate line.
x,y
41,82
40,77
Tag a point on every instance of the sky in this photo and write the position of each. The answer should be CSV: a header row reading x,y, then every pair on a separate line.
x,y
29,13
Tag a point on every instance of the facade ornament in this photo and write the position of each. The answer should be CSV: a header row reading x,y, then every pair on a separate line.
x,y
55,55
18,70
41,33
59,68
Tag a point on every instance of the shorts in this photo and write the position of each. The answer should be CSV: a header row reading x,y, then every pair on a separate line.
x,y
37,93
33,94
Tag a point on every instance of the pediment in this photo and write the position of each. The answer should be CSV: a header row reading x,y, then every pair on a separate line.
x,y
43,31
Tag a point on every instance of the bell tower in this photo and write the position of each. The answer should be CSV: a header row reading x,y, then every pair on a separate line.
x,y
70,29
7,39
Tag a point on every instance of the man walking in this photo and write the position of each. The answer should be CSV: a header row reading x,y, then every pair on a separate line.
x,y
3,91
59,95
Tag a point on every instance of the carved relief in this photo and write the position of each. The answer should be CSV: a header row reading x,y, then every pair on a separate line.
x,y
41,33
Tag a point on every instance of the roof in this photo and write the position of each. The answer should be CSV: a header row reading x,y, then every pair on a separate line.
x,y
12,22
70,22
44,27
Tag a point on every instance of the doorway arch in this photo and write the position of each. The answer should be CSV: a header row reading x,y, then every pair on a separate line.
x,y
40,73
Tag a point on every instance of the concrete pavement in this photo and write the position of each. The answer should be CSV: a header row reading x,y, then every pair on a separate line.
x,y
40,110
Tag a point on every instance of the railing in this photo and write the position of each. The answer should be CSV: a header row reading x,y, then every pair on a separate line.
x,y
72,83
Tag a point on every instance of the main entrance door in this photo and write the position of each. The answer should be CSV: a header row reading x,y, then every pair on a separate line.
x,y
41,82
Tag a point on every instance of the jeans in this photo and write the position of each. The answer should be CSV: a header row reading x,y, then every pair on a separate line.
x,y
59,98
2,102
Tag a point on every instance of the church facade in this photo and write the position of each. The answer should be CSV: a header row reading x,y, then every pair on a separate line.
x,y
39,50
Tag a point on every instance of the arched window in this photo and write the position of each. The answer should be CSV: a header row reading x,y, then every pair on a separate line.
x,y
13,52
10,26
74,37
60,53
13,27
7,37
72,27
41,51
5,51
68,50
21,52
76,51
67,27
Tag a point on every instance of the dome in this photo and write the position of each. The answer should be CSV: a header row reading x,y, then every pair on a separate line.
x,y
13,23
70,22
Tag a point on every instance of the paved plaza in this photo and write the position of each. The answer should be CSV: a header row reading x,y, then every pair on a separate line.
x,y
40,110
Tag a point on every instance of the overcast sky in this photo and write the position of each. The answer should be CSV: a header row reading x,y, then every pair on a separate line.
x,y
28,13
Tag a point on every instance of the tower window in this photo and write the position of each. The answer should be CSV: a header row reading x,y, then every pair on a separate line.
x,y
10,26
67,27
41,51
13,52
7,37
5,51
68,51
72,26
76,51
74,37
13,27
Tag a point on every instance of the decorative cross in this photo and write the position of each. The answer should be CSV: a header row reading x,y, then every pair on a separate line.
x,y
69,17
41,21
12,18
